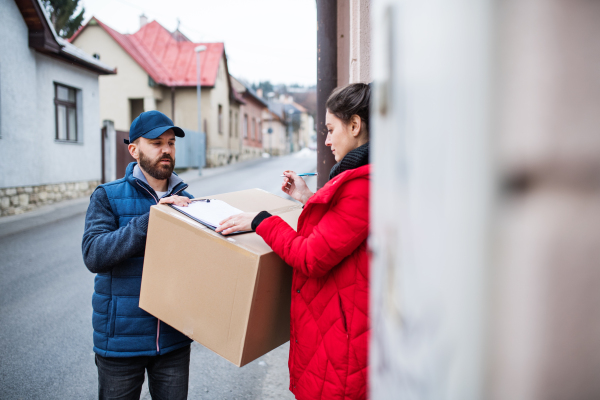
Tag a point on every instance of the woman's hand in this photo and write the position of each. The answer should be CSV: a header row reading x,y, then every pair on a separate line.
x,y
238,222
295,187
180,201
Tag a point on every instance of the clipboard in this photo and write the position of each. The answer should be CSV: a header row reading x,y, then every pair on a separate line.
x,y
222,210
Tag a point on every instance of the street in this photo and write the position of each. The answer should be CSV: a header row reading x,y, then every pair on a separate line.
x,y
45,305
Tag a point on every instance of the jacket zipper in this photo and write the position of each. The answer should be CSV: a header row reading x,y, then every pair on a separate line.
x,y
140,185
157,335
343,315
180,190
155,199
158,323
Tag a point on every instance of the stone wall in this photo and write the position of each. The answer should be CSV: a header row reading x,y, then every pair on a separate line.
x,y
17,200
249,153
220,157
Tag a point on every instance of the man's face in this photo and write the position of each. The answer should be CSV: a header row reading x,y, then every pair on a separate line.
x,y
156,156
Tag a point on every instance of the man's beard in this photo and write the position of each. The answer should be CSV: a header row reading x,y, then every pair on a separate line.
x,y
154,167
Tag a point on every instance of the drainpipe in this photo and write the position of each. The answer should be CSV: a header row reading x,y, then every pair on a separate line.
x,y
173,104
326,80
103,135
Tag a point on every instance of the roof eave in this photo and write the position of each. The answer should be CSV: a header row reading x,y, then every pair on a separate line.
x,y
43,38
255,97
41,35
86,65
184,85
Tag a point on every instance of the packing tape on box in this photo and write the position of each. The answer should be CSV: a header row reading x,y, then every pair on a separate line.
x,y
282,210
188,220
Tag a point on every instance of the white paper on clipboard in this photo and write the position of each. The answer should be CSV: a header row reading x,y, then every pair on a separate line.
x,y
209,212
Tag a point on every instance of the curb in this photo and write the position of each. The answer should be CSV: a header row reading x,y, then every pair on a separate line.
x,y
42,216
191,175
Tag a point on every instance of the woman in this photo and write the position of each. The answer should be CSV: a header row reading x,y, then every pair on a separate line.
x,y
330,327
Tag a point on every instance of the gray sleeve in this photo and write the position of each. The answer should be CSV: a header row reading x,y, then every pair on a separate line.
x,y
104,244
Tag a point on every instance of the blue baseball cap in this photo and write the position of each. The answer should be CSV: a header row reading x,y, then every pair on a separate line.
x,y
151,124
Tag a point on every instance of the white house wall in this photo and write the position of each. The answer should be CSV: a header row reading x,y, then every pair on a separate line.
x,y
29,153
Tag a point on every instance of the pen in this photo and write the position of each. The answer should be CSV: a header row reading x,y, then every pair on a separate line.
x,y
306,174
206,200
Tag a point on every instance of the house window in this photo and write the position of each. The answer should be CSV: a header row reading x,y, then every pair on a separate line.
x,y
220,119
245,126
136,106
230,123
253,131
237,128
65,106
259,130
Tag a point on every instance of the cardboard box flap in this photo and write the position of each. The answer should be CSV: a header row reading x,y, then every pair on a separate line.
x,y
256,200
249,241
251,200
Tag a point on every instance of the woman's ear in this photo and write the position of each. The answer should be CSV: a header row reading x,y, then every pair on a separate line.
x,y
355,125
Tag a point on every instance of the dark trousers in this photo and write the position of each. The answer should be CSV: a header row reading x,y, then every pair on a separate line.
x,y
122,378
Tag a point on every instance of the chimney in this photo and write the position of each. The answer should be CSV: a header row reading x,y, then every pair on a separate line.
x,y
259,92
143,20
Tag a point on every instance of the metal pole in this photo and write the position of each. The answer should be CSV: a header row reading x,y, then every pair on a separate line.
x,y
198,90
198,50
103,135
326,81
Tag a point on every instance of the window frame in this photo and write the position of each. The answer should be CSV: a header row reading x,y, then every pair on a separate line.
x,y
220,120
259,128
236,124
68,105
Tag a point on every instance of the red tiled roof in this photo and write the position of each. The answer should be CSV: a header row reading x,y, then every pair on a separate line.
x,y
168,61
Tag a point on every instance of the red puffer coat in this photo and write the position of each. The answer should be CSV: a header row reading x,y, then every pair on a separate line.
x,y
330,291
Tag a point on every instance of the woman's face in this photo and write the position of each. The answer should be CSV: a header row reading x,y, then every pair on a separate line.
x,y
339,136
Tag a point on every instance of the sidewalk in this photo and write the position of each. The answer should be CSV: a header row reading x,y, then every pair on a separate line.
x,y
192,174
70,208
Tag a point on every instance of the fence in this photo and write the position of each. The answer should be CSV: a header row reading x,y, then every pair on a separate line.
x,y
191,150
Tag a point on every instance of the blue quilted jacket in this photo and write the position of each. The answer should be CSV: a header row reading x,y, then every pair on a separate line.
x,y
113,246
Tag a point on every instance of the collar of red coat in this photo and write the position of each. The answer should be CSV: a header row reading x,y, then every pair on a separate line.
x,y
325,194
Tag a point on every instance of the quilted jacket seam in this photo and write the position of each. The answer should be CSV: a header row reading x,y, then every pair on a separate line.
x,y
329,344
323,385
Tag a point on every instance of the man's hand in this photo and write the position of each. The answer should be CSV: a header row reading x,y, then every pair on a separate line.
x,y
238,222
181,201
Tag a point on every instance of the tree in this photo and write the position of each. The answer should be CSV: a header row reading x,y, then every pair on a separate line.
x,y
266,87
62,15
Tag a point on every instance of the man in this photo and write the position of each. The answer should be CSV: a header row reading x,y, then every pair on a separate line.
x,y
127,340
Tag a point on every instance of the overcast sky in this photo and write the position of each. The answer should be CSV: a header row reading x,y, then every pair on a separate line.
x,y
273,40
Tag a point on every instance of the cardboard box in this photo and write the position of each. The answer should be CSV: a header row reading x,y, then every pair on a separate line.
x,y
231,294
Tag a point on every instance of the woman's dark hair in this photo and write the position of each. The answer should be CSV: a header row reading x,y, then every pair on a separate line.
x,y
349,100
